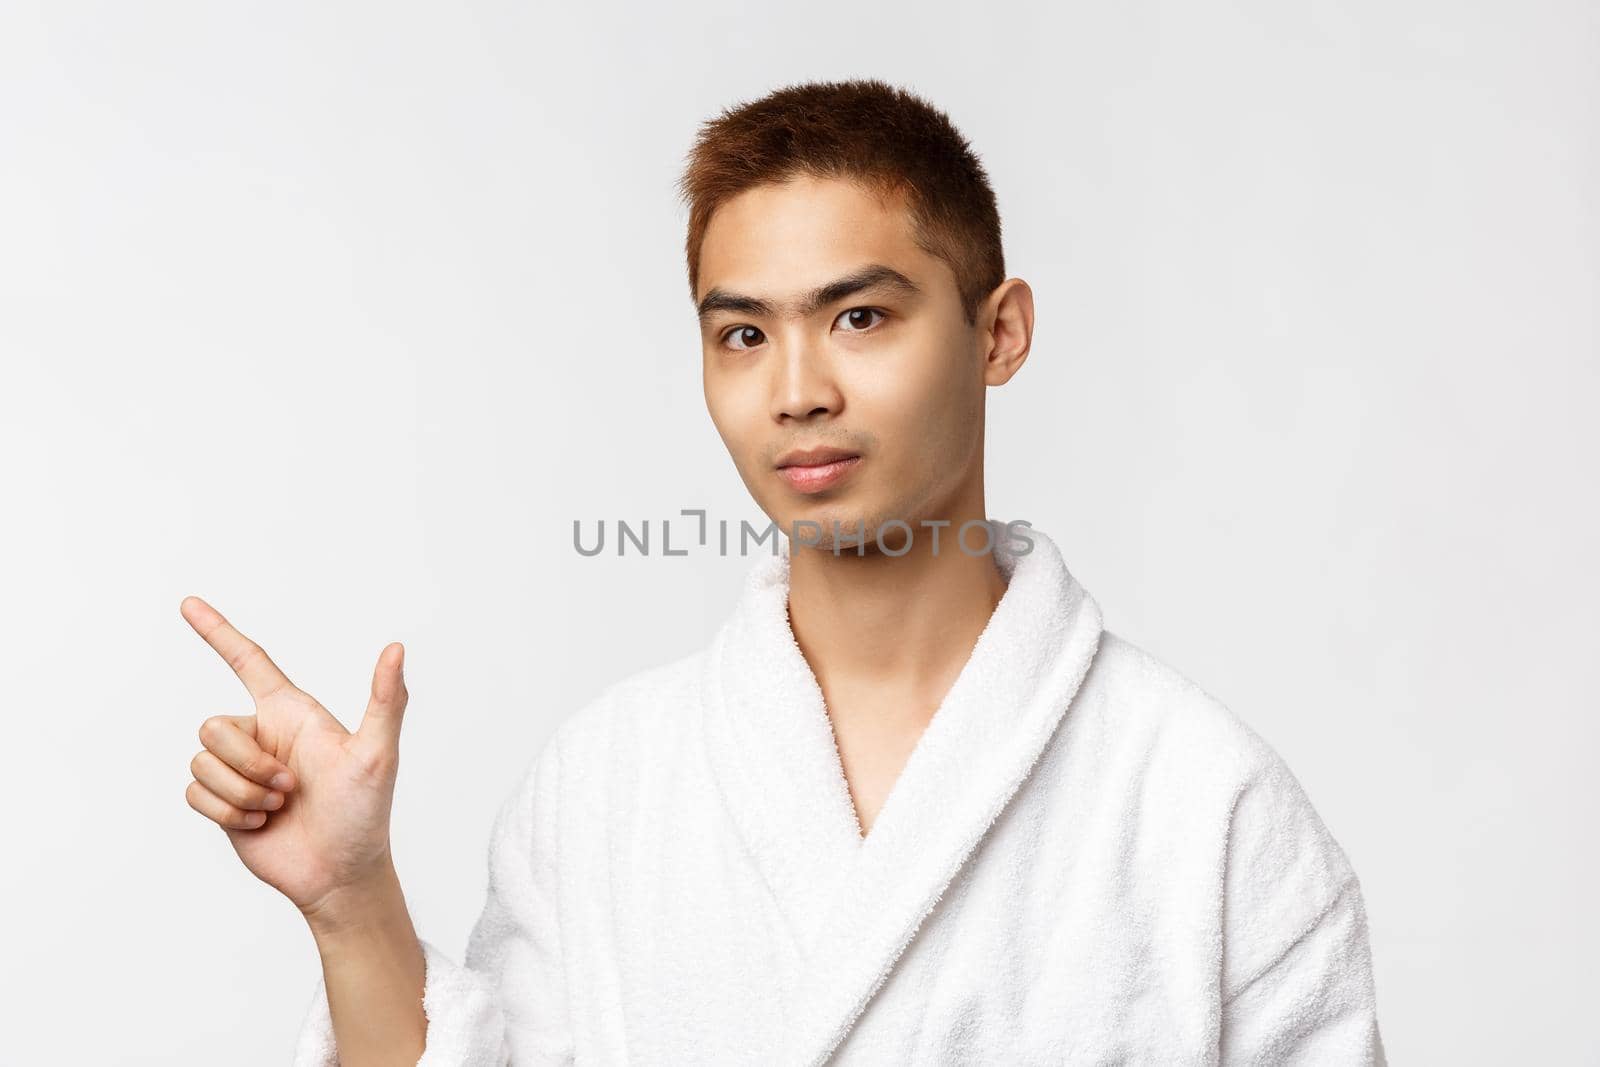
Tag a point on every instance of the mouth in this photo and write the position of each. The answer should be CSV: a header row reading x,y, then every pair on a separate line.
x,y
816,474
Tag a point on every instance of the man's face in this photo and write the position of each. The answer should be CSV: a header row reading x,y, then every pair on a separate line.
x,y
893,375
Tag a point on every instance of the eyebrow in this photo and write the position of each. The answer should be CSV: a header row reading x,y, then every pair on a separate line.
x,y
869,277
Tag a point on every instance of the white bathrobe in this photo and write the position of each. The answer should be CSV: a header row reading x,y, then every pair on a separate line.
x,y
1085,860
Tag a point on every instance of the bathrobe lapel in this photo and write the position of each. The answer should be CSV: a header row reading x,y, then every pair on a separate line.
x,y
852,905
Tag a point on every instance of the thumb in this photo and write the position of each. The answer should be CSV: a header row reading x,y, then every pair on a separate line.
x,y
388,704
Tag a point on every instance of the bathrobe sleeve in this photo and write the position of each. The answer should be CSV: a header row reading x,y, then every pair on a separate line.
x,y
506,1004
1297,981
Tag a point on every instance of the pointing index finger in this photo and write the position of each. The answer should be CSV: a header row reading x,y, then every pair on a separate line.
x,y
249,660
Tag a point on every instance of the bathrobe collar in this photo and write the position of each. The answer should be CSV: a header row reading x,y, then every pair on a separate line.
x,y
853,904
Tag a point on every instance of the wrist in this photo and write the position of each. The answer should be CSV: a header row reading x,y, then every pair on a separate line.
x,y
368,904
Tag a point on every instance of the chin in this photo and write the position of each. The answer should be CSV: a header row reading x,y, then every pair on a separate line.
x,y
851,520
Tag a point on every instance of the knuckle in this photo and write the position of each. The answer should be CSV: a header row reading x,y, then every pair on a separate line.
x,y
248,651
211,730
251,765
378,764
195,795
197,764
248,796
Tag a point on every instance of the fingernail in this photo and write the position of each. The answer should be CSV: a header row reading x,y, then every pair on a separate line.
x,y
280,780
255,818
274,801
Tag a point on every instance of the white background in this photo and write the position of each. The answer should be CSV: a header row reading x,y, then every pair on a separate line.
x,y
338,315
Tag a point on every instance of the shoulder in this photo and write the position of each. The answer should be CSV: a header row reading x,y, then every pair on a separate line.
x,y
1137,701
630,722
650,700
1194,752
647,713
1281,867
1142,704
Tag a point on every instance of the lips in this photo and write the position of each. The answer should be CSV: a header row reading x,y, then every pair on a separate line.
x,y
815,477
814,457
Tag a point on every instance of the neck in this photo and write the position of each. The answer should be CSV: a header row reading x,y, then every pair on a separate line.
x,y
901,626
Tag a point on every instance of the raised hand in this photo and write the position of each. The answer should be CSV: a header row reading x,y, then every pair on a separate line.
x,y
304,801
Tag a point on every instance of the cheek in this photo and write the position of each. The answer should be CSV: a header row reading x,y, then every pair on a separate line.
x,y
727,412
738,421
922,402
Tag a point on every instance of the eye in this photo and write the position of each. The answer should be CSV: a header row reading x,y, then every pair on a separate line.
x,y
749,336
741,332
853,312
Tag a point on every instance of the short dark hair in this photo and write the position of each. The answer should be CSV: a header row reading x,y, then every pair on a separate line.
x,y
868,131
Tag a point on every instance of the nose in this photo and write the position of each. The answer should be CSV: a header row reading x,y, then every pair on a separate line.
x,y
804,386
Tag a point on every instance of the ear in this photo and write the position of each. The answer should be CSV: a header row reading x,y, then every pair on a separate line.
x,y
1007,334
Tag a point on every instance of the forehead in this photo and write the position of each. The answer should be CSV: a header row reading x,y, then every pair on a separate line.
x,y
779,238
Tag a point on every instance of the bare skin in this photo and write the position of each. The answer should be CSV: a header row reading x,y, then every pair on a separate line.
x,y
305,803
898,377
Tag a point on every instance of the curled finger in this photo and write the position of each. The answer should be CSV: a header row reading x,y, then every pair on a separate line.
x,y
227,783
220,811
226,736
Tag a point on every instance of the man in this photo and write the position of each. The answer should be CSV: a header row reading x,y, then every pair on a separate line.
x,y
912,804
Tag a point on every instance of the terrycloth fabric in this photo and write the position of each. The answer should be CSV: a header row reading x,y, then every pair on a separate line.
x,y
1085,860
